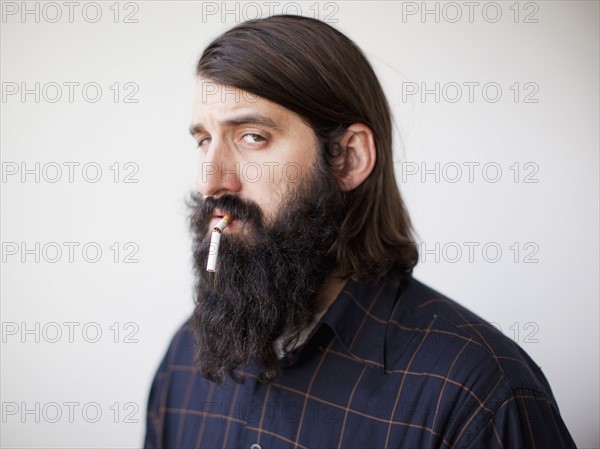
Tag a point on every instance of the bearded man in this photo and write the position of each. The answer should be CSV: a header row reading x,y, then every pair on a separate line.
x,y
311,331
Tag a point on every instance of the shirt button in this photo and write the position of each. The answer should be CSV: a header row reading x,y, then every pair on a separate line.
x,y
256,446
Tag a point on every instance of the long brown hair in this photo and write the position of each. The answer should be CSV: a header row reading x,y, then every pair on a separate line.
x,y
312,69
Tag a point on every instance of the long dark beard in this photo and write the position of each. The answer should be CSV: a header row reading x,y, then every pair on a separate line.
x,y
266,278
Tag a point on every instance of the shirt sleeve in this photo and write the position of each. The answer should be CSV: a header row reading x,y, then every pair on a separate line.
x,y
151,440
525,419
157,419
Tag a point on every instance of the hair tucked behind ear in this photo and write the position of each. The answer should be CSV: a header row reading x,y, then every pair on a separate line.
x,y
317,72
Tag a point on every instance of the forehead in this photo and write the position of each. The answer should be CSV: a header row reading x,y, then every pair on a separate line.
x,y
217,102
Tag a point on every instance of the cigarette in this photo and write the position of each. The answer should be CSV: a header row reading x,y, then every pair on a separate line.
x,y
214,242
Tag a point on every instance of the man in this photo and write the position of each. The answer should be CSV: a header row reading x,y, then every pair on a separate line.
x,y
311,331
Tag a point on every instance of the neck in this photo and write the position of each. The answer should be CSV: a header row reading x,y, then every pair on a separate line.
x,y
329,292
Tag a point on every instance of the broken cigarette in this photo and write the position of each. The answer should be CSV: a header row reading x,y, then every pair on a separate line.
x,y
213,251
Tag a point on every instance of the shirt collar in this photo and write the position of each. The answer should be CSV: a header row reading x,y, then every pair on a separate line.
x,y
359,318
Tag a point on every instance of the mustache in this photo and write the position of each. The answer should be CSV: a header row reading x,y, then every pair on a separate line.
x,y
240,209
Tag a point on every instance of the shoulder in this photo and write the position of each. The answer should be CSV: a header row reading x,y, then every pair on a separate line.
x,y
180,352
498,395
163,392
446,338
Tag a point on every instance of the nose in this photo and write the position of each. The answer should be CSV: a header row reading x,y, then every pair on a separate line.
x,y
219,171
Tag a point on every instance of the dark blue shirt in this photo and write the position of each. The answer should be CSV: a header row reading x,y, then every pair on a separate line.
x,y
391,364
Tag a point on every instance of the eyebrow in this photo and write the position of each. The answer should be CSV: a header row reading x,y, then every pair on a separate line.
x,y
248,119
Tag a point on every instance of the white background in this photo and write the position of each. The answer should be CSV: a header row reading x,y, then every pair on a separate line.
x,y
553,301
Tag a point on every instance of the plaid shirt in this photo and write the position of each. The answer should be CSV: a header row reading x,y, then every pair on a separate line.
x,y
391,364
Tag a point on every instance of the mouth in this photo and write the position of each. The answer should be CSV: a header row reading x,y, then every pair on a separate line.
x,y
219,213
217,216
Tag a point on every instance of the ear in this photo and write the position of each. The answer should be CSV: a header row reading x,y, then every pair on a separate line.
x,y
359,155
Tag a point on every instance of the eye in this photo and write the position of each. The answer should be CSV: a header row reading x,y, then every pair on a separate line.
x,y
253,138
203,141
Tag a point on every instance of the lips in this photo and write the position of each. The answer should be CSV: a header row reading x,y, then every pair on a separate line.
x,y
218,213
217,216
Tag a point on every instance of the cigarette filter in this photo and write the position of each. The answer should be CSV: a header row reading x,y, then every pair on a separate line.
x,y
215,238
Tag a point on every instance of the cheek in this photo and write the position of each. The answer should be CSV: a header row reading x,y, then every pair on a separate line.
x,y
269,199
267,194
293,173
272,175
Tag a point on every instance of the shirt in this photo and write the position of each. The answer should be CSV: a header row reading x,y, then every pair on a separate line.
x,y
392,364
278,344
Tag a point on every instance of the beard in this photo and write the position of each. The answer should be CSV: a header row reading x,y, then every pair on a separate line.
x,y
266,278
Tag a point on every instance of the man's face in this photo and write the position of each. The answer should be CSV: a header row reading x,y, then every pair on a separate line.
x,y
279,250
249,147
